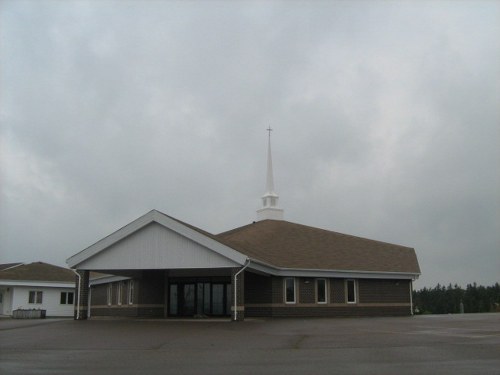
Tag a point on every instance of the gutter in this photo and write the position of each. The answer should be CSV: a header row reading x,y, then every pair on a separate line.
x,y
312,272
236,288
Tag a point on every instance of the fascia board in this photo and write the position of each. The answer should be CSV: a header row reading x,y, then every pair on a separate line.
x,y
162,219
297,272
37,284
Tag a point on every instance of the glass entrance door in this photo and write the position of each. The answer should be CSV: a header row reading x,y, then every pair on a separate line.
x,y
201,299
188,298
217,299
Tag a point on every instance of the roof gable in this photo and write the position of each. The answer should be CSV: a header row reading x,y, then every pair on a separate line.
x,y
157,241
288,245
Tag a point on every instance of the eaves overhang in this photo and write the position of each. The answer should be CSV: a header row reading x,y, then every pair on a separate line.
x,y
38,284
304,272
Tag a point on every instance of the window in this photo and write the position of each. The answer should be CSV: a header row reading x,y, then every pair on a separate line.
x,y
67,298
290,290
35,297
130,292
351,291
321,290
119,293
110,294
174,299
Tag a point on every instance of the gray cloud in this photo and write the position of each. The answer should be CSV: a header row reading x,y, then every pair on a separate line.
x,y
386,122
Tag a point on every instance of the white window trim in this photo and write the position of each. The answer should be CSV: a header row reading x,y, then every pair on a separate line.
x,y
130,294
35,300
119,293
66,298
294,290
326,291
355,291
110,294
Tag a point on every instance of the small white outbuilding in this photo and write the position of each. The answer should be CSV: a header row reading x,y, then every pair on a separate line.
x,y
37,286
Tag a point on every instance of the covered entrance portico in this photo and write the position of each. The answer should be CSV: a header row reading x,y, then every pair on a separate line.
x,y
163,293
159,267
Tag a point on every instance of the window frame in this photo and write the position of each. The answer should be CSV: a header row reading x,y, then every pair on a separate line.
x,y
110,294
355,291
325,292
65,298
35,297
285,287
119,293
130,292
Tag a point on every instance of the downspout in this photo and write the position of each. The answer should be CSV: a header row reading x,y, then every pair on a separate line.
x,y
78,298
411,297
236,287
89,304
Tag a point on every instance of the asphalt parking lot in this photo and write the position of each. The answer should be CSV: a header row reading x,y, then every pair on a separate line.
x,y
446,344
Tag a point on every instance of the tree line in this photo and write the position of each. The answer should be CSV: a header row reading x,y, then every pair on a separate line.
x,y
454,299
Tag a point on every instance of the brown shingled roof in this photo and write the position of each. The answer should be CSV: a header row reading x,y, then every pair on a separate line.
x,y
288,245
38,271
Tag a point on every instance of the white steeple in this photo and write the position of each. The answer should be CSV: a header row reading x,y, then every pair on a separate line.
x,y
270,209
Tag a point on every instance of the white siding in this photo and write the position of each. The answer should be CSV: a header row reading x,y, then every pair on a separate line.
x,y
50,302
156,247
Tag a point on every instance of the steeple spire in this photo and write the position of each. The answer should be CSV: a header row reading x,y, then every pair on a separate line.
x,y
270,209
269,178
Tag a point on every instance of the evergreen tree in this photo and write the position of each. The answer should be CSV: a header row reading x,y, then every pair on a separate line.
x,y
447,300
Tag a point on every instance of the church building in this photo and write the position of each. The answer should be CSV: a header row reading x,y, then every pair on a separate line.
x,y
158,266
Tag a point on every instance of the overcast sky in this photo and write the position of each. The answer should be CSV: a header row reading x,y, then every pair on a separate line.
x,y
386,118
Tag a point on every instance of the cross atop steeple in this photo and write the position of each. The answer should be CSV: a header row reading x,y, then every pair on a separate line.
x,y
270,208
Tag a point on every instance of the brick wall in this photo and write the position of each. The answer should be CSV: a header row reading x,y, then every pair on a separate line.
x,y
264,296
278,289
384,291
307,290
148,297
99,294
337,291
258,288
374,298
82,294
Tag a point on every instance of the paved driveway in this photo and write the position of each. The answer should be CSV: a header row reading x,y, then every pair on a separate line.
x,y
447,344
